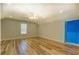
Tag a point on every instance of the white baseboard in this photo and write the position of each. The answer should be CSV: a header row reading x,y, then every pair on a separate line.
x,y
53,40
62,42
17,38
72,44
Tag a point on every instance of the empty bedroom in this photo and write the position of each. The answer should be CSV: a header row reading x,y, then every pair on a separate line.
x,y
39,28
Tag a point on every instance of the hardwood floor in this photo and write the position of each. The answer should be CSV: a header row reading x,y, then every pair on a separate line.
x,y
36,46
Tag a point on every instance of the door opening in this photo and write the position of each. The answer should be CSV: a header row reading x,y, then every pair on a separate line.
x,y
72,32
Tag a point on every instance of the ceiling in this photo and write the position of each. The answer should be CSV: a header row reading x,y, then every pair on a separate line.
x,y
41,12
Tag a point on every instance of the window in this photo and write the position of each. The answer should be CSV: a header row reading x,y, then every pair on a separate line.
x,y
23,28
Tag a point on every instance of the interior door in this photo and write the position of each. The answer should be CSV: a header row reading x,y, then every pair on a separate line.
x,y
72,31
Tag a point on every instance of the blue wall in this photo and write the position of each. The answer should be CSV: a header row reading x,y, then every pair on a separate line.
x,y
72,31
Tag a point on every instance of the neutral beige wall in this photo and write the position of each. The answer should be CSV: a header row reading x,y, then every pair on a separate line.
x,y
53,30
0,29
0,21
32,29
11,28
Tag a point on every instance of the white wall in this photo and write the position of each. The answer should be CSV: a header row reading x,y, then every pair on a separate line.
x,y
11,29
0,22
32,29
0,29
53,30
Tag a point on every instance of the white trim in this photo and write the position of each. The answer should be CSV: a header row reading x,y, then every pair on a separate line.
x,y
72,44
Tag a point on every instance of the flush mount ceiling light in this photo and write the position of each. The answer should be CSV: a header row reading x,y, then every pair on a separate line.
x,y
34,16
60,11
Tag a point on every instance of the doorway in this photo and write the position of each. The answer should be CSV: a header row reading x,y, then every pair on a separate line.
x,y
72,31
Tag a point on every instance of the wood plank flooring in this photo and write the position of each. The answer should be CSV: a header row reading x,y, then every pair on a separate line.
x,y
36,46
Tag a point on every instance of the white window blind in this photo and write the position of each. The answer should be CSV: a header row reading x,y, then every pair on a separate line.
x,y
23,28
